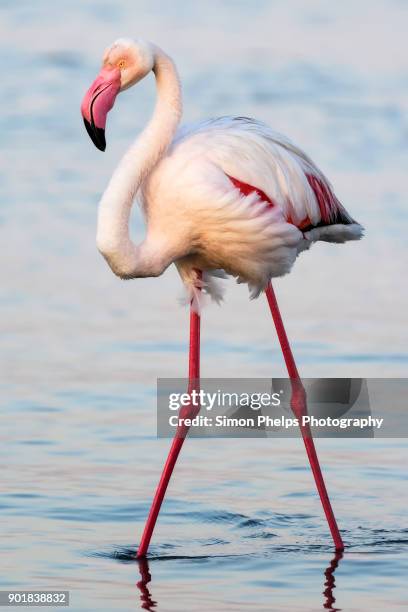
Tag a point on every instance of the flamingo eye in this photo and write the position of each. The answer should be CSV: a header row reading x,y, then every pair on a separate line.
x,y
121,64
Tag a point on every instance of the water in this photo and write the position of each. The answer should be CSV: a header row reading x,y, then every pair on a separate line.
x,y
242,527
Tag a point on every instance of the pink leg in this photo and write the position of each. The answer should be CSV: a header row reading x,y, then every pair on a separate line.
x,y
299,407
190,411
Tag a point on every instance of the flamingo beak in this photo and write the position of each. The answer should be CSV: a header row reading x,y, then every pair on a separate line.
x,y
97,102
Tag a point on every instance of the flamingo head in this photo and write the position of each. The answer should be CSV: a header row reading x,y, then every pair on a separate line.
x,y
124,63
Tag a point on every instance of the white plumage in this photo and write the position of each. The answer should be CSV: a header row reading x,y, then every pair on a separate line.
x,y
190,190
226,195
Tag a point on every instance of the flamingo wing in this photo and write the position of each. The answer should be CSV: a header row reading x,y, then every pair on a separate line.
x,y
257,159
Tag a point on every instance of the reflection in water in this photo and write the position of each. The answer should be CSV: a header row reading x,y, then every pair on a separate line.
x,y
330,584
147,602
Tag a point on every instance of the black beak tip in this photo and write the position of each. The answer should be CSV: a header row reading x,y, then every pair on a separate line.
x,y
97,135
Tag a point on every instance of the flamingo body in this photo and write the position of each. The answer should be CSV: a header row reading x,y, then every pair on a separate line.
x,y
241,199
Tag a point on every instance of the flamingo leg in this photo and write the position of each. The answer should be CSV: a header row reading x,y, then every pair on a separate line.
x,y
180,436
299,407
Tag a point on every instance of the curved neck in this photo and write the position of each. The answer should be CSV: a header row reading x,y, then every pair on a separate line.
x,y
124,257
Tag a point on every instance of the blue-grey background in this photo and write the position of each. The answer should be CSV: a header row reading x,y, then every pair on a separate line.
x,y
242,527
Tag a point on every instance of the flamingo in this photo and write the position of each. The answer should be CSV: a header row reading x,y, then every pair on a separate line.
x,y
226,196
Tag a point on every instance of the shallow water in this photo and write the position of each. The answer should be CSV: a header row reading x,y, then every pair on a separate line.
x,y
242,527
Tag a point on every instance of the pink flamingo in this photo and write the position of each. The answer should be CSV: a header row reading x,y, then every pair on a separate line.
x,y
224,196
